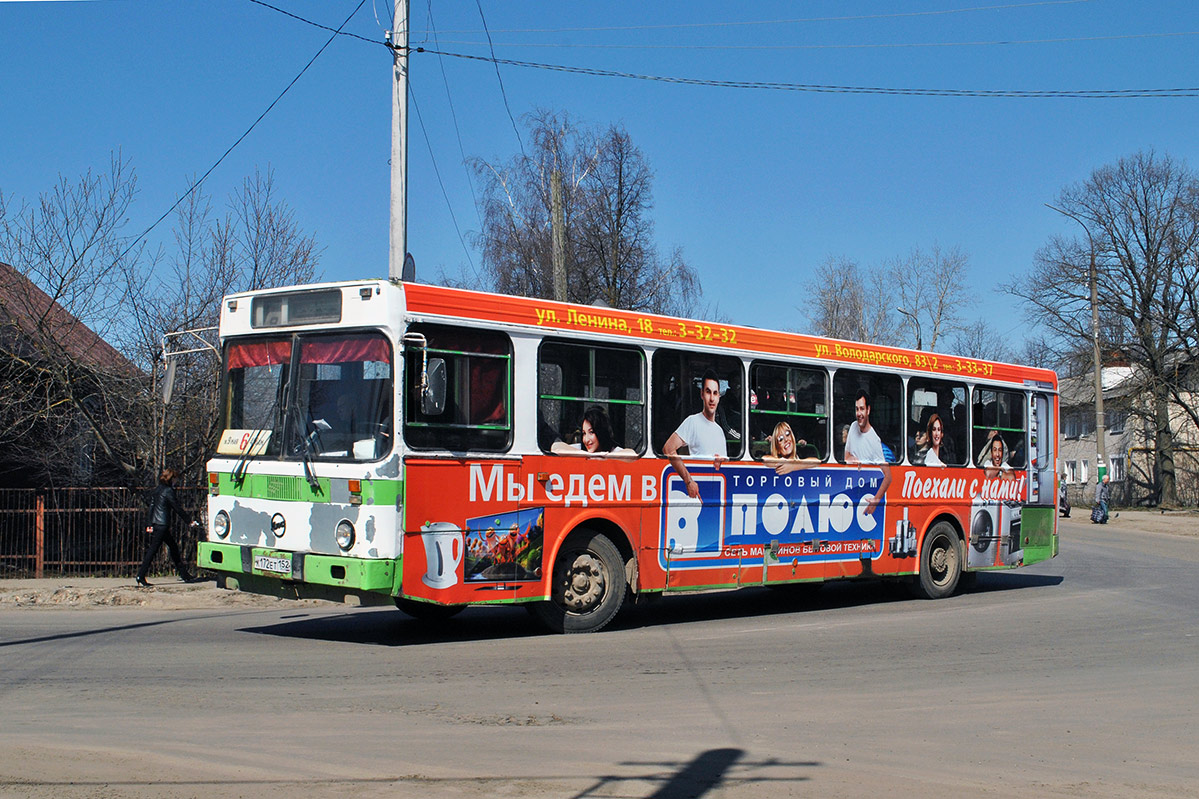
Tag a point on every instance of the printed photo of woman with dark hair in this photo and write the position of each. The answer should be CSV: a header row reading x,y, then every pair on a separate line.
x,y
597,441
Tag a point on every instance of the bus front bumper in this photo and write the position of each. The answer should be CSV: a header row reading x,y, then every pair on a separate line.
x,y
301,575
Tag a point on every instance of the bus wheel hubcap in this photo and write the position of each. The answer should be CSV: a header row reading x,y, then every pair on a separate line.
x,y
584,583
940,560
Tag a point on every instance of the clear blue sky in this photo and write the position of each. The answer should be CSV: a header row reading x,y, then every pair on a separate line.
x,y
758,187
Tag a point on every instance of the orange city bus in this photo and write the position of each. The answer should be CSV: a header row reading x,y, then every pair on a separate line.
x,y
387,441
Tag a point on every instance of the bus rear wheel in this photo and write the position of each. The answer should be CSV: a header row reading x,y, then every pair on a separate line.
x,y
940,562
587,585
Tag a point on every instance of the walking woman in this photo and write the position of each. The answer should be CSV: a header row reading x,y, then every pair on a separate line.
x,y
162,503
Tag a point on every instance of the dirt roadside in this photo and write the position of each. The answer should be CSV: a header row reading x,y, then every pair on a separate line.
x,y
107,592
171,594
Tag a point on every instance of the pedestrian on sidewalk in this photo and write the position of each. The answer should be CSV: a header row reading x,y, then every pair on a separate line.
x,y
1103,495
163,503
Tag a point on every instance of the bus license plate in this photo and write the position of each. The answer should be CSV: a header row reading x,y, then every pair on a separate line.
x,y
267,563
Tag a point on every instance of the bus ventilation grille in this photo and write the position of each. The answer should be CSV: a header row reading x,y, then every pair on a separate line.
x,y
284,488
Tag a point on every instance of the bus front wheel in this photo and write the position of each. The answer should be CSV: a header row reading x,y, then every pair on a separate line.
x,y
587,585
940,562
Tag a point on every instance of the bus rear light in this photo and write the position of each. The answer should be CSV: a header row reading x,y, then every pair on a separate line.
x,y
214,484
355,492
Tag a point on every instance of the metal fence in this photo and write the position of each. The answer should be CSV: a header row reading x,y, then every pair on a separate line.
x,y
85,531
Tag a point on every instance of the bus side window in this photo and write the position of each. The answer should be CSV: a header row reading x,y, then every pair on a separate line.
x,y
574,378
678,381
999,415
944,401
796,396
477,413
881,397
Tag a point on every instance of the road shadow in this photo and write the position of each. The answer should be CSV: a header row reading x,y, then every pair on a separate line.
x,y
705,775
116,628
989,582
390,627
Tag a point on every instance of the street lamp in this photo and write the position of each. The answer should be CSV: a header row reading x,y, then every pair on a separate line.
x,y
1100,448
916,324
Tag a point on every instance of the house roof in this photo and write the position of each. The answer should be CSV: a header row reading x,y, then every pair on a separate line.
x,y
34,314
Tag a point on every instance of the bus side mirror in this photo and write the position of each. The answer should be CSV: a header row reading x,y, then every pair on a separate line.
x,y
432,401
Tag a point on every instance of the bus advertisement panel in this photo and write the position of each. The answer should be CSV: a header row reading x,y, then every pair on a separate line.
x,y
748,526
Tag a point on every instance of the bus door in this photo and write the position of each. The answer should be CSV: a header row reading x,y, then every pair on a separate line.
x,y
1039,518
1042,466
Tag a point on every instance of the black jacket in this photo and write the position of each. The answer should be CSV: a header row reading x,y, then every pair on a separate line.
x,y
162,502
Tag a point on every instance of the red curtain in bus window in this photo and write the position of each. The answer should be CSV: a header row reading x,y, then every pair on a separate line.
x,y
488,376
488,391
345,349
259,353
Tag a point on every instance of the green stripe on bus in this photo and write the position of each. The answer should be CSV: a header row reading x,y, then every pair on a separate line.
x,y
789,413
437,426
589,399
289,488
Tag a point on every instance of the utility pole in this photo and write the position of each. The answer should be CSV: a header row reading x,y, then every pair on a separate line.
x,y
558,227
1100,446
398,39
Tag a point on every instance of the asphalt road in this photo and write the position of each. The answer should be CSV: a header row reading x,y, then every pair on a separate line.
x,y
1076,677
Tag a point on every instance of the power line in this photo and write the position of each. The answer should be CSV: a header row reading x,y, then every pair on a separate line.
x,y
1080,94
1076,94
693,25
338,31
871,46
441,183
453,114
503,93
240,138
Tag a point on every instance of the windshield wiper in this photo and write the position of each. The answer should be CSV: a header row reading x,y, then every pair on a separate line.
x,y
307,458
243,462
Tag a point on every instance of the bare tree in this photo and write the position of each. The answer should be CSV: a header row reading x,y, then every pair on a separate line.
x,y
611,255
852,302
67,391
929,290
82,319
980,340
515,206
1141,226
256,244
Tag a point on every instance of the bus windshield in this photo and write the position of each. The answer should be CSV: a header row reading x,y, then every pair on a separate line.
x,y
327,396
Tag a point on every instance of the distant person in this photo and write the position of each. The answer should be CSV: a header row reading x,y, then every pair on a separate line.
x,y
163,503
700,433
1103,495
598,439
863,445
784,451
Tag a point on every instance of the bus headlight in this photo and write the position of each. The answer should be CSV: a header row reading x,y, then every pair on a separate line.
x,y
220,524
345,535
